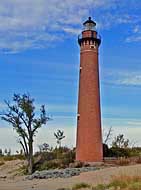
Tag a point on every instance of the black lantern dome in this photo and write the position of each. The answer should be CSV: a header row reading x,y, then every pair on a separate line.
x,y
89,24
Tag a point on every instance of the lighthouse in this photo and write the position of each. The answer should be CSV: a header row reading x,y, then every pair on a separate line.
x,y
89,136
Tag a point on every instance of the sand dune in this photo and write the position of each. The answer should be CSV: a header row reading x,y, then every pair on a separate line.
x,y
10,181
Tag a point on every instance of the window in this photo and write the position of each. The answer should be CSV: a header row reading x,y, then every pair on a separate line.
x,y
92,46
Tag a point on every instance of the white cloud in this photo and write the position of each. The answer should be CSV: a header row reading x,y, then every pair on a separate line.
x,y
134,123
72,30
32,24
128,78
130,128
36,23
135,35
45,134
2,106
133,39
133,134
8,139
136,29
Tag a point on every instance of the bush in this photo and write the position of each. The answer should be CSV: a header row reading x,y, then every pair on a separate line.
x,y
100,187
12,157
80,185
57,158
135,186
119,152
63,189
52,164
116,151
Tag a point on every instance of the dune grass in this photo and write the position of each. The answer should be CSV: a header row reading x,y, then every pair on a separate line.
x,y
122,183
117,183
80,186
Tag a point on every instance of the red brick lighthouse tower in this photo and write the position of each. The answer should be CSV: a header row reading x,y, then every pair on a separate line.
x,y
89,137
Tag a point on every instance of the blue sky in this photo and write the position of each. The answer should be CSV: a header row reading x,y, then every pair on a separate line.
x,y
39,54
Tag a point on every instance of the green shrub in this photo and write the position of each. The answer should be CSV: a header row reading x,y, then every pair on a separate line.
x,y
57,158
63,189
135,186
119,152
80,185
100,187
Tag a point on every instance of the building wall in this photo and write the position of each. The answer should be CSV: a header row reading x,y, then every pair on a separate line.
x,y
89,137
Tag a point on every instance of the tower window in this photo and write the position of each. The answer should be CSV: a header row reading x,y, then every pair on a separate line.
x,y
78,116
92,47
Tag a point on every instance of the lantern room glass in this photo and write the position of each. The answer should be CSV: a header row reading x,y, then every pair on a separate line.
x,y
89,26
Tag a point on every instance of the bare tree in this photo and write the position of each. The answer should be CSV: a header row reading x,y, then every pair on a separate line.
x,y
1,152
120,142
59,136
21,114
108,135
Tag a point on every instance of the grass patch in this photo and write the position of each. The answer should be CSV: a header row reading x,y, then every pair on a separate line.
x,y
118,183
100,187
80,185
63,189
135,186
122,183
12,157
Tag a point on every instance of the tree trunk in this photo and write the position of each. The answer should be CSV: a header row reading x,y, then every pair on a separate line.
x,y
30,165
30,158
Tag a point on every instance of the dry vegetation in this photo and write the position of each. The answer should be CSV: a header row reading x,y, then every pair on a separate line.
x,y
117,183
122,183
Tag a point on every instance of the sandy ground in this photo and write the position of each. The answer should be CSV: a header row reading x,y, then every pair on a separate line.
x,y
14,182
